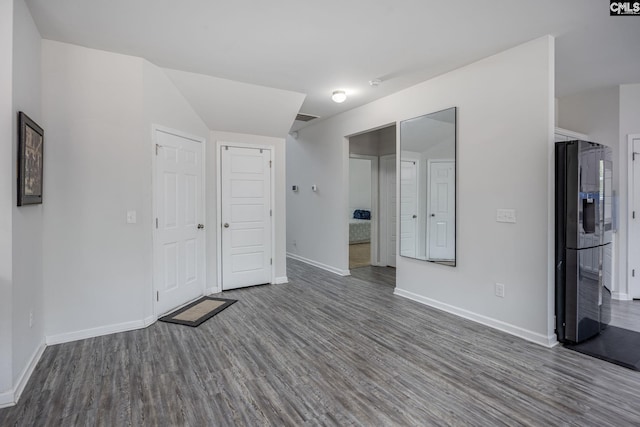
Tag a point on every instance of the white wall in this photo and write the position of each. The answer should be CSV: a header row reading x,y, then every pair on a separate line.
x,y
98,110
359,185
506,106
279,210
97,271
27,220
7,184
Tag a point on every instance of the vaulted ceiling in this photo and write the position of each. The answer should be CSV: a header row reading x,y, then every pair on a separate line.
x,y
317,47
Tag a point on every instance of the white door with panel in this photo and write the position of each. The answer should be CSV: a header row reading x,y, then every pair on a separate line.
x,y
442,206
179,248
246,216
408,207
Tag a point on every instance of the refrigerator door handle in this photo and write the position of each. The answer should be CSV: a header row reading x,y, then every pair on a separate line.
x,y
600,281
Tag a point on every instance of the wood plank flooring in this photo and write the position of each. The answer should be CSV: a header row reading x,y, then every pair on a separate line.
x,y
359,255
323,350
626,314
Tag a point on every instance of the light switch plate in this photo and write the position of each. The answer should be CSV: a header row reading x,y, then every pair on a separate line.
x,y
506,215
131,217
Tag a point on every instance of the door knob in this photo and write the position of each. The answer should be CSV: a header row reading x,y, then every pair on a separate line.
x,y
414,216
200,226
226,225
433,214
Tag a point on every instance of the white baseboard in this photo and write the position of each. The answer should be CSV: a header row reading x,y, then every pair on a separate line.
x,y
149,321
11,397
281,280
621,296
28,370
97,332
534,337
319,265
7,399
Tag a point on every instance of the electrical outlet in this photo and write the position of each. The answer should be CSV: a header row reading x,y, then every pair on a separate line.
x,y
31,319
499,290
506,215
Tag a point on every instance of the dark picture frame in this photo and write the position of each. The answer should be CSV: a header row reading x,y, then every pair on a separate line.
x,y
30,161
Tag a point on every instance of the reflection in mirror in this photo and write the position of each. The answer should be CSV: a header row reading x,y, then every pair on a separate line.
x,y
428,187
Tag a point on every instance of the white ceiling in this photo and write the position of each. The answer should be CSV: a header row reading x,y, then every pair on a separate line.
x,y
317,47
232,106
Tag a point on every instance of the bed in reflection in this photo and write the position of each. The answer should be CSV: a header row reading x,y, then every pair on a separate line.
x,y
360,227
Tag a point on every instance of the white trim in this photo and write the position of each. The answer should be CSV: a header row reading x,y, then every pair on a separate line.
x,y
631,223
7,399
375,205
534,337
385,229
99,331
28,371
154,140
274,212
319,265
281,280
621,296
571,134
11,397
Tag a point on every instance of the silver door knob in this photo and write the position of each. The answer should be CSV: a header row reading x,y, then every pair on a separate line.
x,y
226,225
200,226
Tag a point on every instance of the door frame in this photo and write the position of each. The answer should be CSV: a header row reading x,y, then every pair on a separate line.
x,y
375,210
218,222
154,140
633,251
384,200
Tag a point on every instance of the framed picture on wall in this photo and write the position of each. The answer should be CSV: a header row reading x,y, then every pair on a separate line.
x,y
30,160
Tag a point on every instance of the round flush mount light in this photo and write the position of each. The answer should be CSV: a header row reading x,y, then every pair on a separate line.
x,y
339,96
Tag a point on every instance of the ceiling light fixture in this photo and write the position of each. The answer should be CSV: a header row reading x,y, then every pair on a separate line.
x,y
339,96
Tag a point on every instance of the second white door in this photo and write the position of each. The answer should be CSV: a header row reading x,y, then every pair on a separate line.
x,y
246,216
442,206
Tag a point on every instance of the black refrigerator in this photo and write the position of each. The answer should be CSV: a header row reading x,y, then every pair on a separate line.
x,y
583,239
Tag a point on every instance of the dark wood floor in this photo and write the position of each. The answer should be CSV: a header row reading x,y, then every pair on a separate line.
x,y
323,350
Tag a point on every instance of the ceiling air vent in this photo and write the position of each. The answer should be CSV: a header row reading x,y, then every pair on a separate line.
x,y
305,117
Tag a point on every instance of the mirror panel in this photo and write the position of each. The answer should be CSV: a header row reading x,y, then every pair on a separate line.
x,y
428,187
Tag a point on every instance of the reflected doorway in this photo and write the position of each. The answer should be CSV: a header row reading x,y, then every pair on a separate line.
x,y
372,199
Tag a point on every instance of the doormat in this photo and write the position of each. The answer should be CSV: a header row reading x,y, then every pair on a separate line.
x,y
198,311
615,345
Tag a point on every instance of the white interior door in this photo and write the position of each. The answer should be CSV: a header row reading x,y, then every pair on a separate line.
x,y
408,207
442,205
633,236
179,205
246,216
